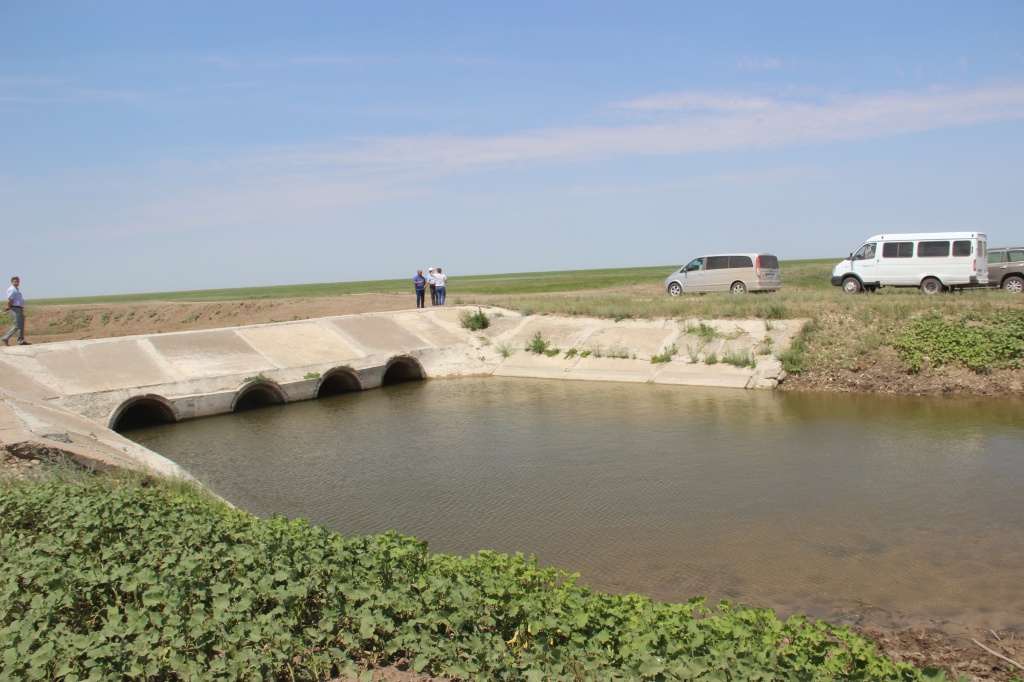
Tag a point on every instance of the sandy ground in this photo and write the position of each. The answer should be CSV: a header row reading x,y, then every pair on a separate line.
x,y
934,644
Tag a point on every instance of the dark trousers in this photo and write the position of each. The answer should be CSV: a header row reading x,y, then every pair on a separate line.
x,y
419,298
433,294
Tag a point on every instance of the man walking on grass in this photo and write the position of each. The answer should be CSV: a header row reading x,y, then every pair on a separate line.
x,y
16,307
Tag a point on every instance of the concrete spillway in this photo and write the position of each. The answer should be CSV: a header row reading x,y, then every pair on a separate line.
x,y
72,396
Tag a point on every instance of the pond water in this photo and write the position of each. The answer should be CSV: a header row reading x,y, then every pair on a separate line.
x,y
800,502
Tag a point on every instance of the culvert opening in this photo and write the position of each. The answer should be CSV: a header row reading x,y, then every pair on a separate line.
x,y
336,383
257,396
402,370
142,413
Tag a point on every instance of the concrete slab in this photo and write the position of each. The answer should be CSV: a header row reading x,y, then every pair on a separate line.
x,y
103,366
559,332
300,344
613,369
682,373
642,342
430,328
375,334
13,378
525,364
210,353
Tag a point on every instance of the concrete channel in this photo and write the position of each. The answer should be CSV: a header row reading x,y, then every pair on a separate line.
x,y
71,398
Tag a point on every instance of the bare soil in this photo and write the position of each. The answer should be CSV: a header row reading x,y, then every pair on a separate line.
x,y
841,368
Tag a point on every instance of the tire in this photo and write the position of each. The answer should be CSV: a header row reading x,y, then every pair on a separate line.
x,y
852,285
738,288
1013,284
931,286
675,288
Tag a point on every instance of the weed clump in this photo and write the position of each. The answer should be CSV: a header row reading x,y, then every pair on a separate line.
x,y
475,321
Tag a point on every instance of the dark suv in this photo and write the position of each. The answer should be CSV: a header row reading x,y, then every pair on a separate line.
x,y
1006,269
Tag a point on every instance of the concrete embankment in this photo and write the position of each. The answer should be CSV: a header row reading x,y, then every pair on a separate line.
x,y
73,396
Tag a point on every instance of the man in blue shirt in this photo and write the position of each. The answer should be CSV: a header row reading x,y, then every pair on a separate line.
x,y
16,307
420,284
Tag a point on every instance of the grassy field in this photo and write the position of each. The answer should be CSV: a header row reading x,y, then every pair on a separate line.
x,y
509,283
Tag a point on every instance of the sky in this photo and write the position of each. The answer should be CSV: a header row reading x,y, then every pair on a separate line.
x,y
150,145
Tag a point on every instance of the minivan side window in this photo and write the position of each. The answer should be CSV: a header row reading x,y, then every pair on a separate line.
x,y
695,264
932,249
718,262
898,250
962,248
740,262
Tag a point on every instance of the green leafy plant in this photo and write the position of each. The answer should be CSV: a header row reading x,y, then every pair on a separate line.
x,y
571,353
537,344
256,377
585,354
504,348
979,342
311,375
666,355
117,578
190,319
703,331
711,359
474,321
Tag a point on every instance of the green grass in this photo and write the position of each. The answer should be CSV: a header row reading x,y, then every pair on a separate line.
x,y
521,282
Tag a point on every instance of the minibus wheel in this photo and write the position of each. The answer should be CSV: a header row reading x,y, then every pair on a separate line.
x,y
675,289
738,288
931,286
851,285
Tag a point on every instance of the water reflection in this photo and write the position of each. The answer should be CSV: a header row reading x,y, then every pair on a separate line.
x,y
798,502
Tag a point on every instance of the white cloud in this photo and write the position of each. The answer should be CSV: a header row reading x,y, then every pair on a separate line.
x,y
699,122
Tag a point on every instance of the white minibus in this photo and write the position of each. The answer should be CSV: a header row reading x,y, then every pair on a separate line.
x,y
933,261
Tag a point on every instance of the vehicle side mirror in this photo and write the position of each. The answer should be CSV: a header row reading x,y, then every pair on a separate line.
x,y
851,255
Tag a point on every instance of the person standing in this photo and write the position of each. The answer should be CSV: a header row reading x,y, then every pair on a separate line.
x,y
16,307
420,283
433,286
440,280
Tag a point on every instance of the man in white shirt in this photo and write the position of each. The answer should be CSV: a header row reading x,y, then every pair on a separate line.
x,y
16,307
433,286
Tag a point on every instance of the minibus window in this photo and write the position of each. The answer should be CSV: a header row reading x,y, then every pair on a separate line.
x,y
962,248
932,249
740,262
898,250
718,262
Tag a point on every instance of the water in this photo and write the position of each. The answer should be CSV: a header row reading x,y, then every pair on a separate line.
x,y
803,503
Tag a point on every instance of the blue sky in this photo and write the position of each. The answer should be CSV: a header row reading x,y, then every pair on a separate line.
x,y
155,146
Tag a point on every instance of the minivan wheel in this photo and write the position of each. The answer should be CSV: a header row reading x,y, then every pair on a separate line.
x,y
851,285
931,286
675,288
738,288
1013,284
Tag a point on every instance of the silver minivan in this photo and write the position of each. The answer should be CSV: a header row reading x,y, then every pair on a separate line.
x,y
735,272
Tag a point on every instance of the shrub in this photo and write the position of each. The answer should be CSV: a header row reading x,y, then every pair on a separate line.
x,y
666,354
474,321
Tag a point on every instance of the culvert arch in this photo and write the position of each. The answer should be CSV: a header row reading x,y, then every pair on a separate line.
x,y
402,368
141,411
258,394
338,380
